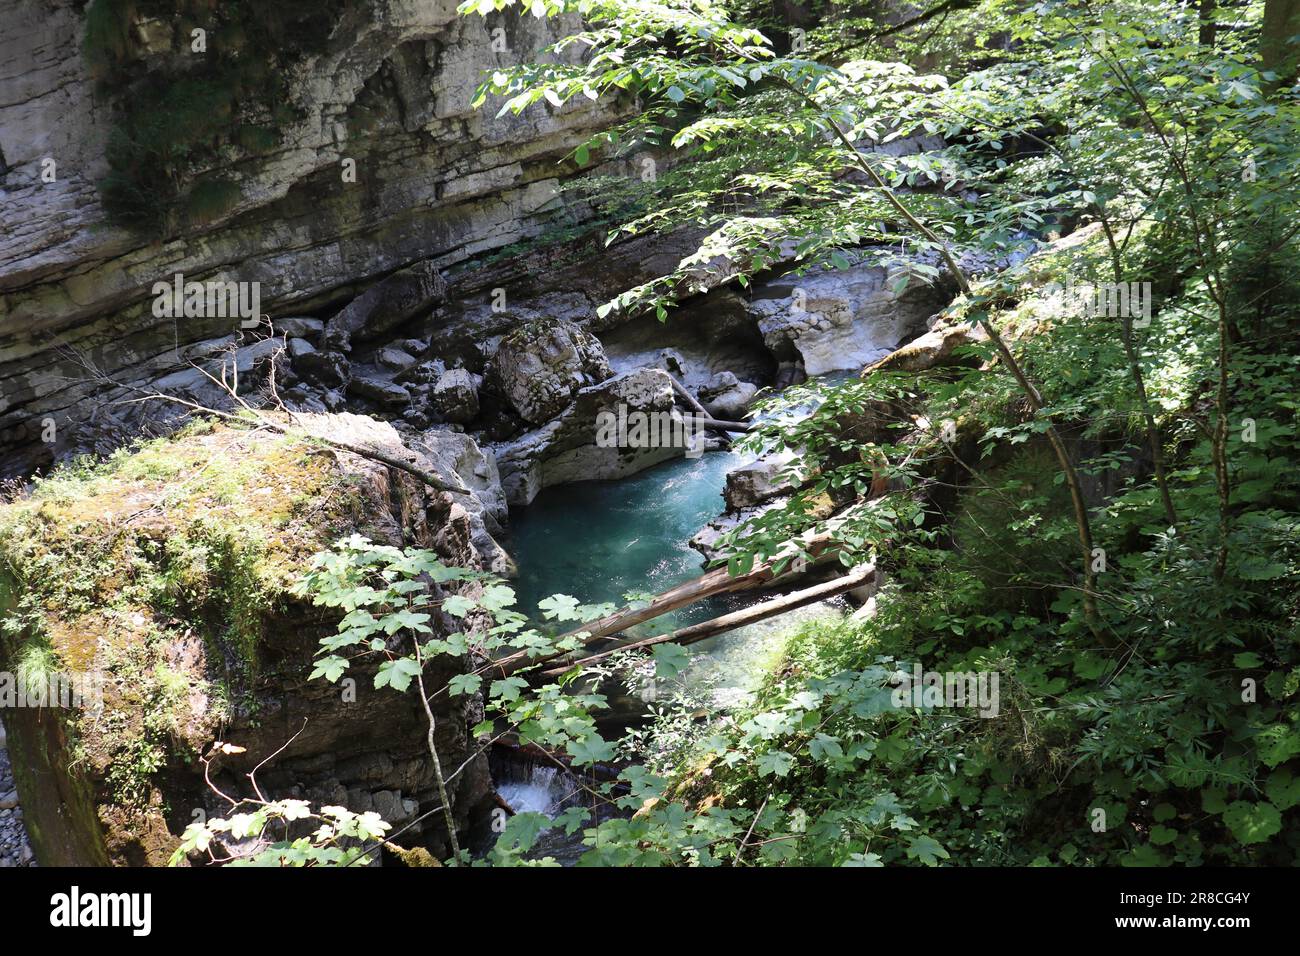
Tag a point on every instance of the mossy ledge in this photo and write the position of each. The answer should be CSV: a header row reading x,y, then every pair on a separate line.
x,y
165,570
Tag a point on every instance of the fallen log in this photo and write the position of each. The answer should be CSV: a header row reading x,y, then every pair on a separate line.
x,y
720,425
707,420
859,576
711,583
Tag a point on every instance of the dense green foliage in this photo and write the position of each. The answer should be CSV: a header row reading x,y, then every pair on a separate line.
x,y
1158,726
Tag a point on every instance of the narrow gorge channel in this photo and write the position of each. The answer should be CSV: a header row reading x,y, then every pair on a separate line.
x,y
646,433
602,541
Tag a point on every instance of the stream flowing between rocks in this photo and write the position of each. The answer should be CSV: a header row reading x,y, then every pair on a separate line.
x,y
599,540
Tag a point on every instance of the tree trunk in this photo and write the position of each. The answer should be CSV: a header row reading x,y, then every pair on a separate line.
x,y
1206,33
709,584
856,578
1281,22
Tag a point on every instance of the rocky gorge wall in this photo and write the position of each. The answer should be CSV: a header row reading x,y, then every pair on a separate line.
x,y
391,89
390,279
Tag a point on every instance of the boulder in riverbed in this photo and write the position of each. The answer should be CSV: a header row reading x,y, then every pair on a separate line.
x,y
455,396
752,484
380,390
387,304
726,397
567,449
541,365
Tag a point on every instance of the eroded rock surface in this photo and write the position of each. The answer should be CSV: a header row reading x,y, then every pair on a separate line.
x,y
437,183
841,319
540,366
566,449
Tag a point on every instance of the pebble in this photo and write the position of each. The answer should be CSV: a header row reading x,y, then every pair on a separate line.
x,y
14,849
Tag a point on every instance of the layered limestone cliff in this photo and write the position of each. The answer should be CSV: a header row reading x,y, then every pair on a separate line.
x,y
384,91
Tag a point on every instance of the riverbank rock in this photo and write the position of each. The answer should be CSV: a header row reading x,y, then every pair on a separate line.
x,y
727,398
934,349
382,391
756,482
458,458
167,573
455,396
566,449
541,365
841,319
387,304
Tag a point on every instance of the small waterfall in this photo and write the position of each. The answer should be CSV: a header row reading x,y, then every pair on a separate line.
x,y
543,791
532,787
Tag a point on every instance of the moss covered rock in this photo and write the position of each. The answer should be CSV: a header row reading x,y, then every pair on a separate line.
x,y
165,573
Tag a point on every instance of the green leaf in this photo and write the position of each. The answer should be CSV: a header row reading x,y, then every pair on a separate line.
x,y
331,668
457,605
397,674
559,607
1283,789
591,749
1252,822
670,660
926,850
1145,855
464,684
1277,744
1162,835
507,689
521,830
863,859
1212,800
776,762
497,597
822,746
405,620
